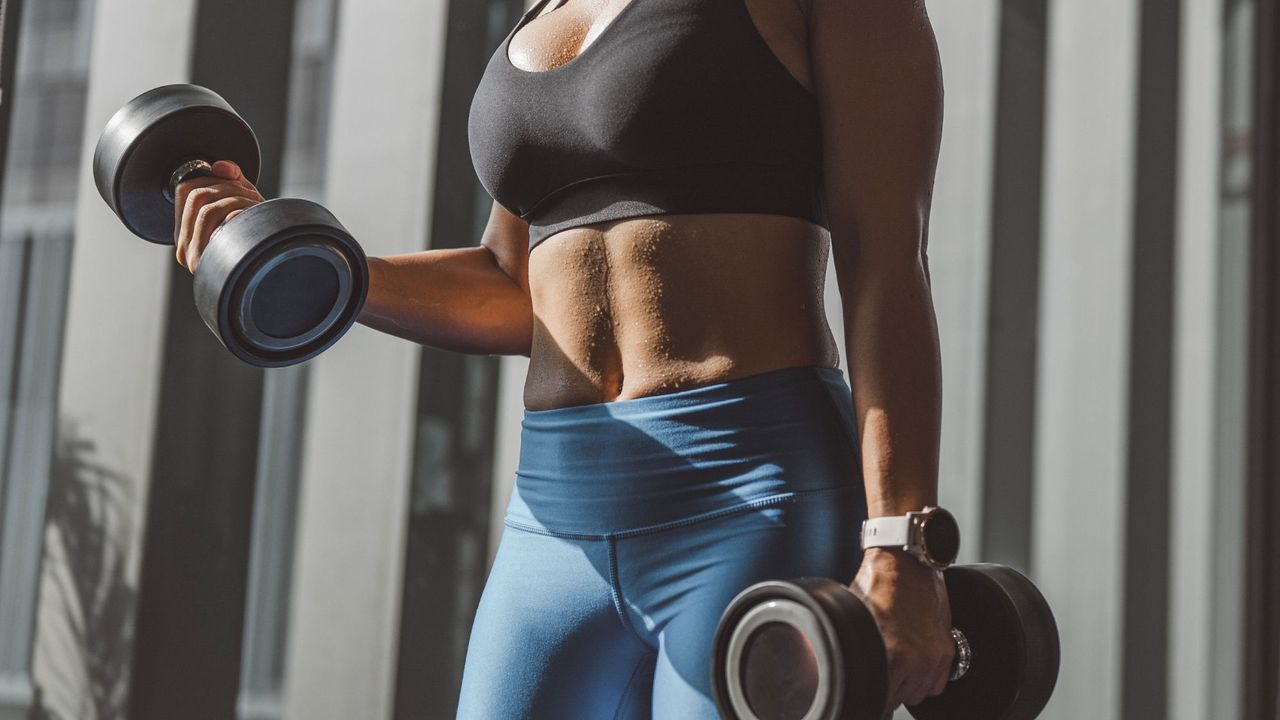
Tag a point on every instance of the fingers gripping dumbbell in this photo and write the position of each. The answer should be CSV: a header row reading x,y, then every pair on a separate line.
x,y
809,649
280,281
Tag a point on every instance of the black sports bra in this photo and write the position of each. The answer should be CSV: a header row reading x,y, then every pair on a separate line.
x,y
678,106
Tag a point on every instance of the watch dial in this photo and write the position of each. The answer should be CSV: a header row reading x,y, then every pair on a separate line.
x,y
942,536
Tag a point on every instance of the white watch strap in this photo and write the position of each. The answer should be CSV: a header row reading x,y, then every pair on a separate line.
x,y
891,531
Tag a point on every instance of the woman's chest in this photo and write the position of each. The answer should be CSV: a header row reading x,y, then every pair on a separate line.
x,y
556,37
660,84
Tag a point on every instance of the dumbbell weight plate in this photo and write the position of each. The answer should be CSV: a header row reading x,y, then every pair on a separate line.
x,y
154,133
805,649
281,282
1015,647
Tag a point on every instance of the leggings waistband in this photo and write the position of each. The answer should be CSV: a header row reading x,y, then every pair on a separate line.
x,y
641,464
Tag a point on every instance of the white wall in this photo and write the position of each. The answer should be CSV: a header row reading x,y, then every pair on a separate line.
x,y
1082,387
358,445
1199,643
960,245
115,318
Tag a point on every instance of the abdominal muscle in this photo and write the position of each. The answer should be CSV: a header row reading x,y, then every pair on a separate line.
x,y
642,306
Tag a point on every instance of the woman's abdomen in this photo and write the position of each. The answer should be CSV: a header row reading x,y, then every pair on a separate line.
x,y
655,304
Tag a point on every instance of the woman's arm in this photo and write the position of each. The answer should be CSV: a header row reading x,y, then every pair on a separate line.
x,y
470,300
878,80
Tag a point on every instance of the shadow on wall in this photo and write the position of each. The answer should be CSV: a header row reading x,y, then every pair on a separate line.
x,y
85,627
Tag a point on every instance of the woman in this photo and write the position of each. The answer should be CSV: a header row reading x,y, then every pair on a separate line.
x,y
669,176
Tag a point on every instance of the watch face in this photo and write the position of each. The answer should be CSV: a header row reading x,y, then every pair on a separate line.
x,y
942,537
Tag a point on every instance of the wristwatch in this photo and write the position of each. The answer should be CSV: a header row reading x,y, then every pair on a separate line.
x,y
931,535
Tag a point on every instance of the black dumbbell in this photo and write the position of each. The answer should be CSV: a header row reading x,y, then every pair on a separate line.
x,y
279,282
809,649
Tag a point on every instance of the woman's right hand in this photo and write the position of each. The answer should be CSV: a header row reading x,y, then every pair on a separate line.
x,y
203,203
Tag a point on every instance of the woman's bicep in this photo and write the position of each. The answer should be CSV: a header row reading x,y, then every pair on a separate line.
x,y
878,82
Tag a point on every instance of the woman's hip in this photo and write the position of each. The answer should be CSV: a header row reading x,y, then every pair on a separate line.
x,y
632,466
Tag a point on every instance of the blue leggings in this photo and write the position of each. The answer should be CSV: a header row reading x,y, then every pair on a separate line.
x,y
633,523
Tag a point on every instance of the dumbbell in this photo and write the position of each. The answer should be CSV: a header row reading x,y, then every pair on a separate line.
x,y
809,649
278,283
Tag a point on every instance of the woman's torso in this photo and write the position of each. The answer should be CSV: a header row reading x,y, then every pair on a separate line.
x,y
640,306
657,304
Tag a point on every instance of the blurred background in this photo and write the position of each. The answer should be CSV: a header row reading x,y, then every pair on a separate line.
x,y
185,536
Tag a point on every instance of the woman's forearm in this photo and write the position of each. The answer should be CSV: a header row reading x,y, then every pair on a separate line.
x,y
891,338
453,299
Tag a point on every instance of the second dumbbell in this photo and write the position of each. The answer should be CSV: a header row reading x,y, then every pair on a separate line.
x,y
809,649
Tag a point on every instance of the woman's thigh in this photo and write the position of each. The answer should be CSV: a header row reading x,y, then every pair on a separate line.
x,y
678,582
548,642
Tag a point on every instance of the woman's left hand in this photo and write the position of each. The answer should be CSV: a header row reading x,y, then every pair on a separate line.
x,y
909,602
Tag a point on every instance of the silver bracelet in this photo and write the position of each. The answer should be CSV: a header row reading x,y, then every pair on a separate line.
x,y
964,655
